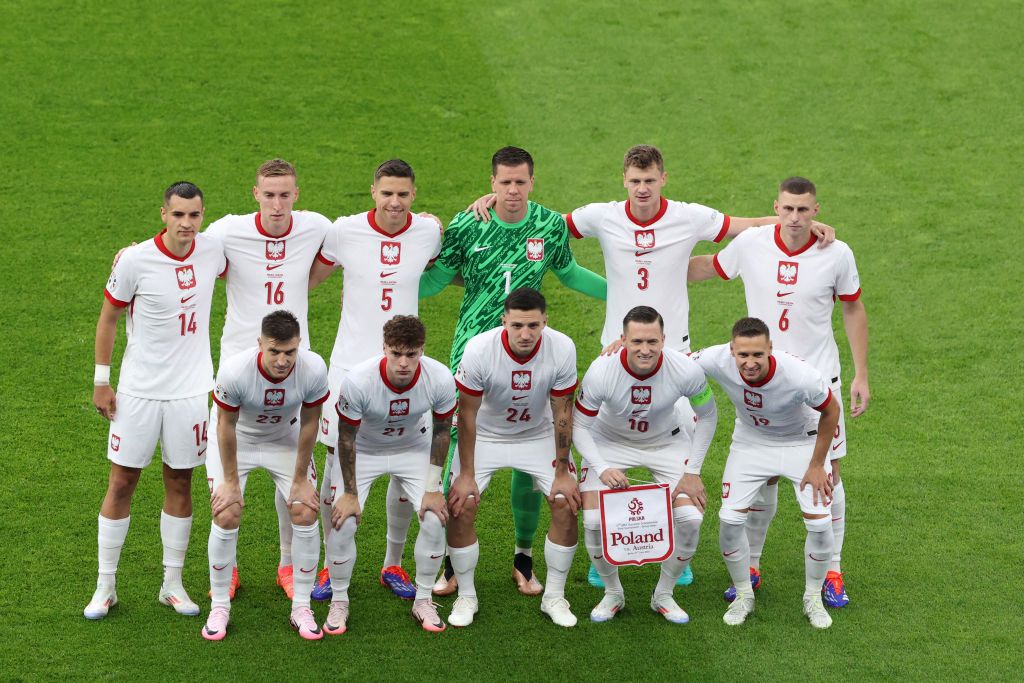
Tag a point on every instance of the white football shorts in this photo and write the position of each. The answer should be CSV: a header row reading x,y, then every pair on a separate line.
x,y
750,465
180,425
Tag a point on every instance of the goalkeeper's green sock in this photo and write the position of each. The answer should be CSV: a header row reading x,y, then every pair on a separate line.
x,y
525,511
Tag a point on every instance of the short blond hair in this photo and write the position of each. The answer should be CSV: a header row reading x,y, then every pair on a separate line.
x,y
275,168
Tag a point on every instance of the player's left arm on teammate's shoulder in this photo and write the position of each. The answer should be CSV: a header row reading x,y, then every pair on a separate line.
x,y
576,277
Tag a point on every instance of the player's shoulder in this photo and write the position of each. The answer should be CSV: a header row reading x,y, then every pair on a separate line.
x,y
755,236
558,339
544,216
312,360
463,220
435,370
311,219
484,340
795,369
228,222
711,356
351,221
366,369
237,364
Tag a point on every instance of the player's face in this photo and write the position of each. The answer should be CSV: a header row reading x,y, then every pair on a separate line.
x,y
752,354
276,196
278,357
512,185
393,197
401,364
644,185
183,218
524,329
643,342
796,212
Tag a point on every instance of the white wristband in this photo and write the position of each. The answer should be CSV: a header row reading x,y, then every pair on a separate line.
x,y
101,377
433,484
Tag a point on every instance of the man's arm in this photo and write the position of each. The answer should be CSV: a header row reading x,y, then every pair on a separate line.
x,y
103,396
855,320
565,484
701,268
319,272
433,499
347,504
826,234
302,491
435,279
464,485
229,492
816,476
584,281
690,484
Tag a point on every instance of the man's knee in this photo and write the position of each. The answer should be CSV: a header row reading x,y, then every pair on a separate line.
x,y
229,518
123,480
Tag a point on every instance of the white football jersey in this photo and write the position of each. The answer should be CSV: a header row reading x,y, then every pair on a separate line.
x,y
794,293
780,409
645,263
266,274
392,419
638,409
168,321
269,408
382,278
516,392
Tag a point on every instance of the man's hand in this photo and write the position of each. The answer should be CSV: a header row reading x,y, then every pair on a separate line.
x,y
346,505
612,348
105,400
826,234
692,487
481,208
434,502
817,478
566,485
614,479
437,220
226,495
117,256
462,488
860,396
303,493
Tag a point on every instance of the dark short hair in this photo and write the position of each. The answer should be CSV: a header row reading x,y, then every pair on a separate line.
x,y
511,156
643,156
280,326
394,168
405,332
525,299
183,189
643,314
750,327
798,185
275,168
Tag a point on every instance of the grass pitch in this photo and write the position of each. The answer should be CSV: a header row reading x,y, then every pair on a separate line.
x,y
907,115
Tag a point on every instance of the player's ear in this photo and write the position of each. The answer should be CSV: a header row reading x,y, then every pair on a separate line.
x,y
163,212
775,207
255,192
296,196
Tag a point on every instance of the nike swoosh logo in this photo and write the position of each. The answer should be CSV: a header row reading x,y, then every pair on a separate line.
x,y
336,563
383,274
838,445
186,298
598,557
434,557
275,267
481,248
643,253
518,398
306,571
811,555
730,553
217,569
201,453
782,294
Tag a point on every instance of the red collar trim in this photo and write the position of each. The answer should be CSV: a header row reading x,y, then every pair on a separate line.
x,y
652,373
259,227
767,378
657,217
259,366
511,353
782,245
371,218
392,387
159,240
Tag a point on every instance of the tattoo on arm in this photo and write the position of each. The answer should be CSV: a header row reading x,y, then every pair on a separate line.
x,y
347,456
441,439
561,409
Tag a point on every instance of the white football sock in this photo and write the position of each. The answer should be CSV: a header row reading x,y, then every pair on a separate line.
x,y
760,516
284,528
325,495
222,547
559,561
306,555
838,526
429,554
732,540
110,540
817,554
400,513
592,539
341,558
174,533
686,522
524,551
464,561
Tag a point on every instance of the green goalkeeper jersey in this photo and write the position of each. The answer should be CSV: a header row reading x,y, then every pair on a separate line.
x,y
497,257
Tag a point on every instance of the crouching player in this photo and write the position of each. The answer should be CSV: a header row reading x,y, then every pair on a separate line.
x,y
777,434
626,417
382,411
268,401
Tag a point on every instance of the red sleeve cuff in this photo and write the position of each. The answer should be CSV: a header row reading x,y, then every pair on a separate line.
x,y
444,416
566,391
824,403
586,411
112,300
466,390
850,297
346,419
226,406
227,264
322,259
724,230
572,227
718,268
313,404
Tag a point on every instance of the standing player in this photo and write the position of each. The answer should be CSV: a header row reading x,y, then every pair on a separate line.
x,y
270,252
513,248
514,382
627,416
382,408
794,287
777,433
383,252
167,284
269,401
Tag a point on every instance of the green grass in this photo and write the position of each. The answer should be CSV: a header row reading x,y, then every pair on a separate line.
x,y
907,115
